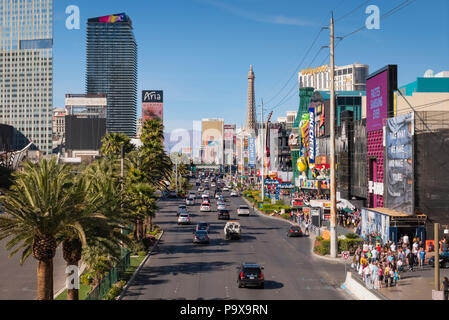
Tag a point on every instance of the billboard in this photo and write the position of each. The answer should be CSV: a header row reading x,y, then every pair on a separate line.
x,y
312,135
153,105
252,152
212,140
399,186
377,101
84,133
375,222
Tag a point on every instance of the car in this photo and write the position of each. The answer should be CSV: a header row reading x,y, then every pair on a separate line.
x,y
182,209
221,202
184,218
224,214
234,193
201,237
294,231
172,194
225,189
205,207
243,210
200,189
218,195
250,274
213,185
444,260
221,207
192,194
202,226
190,201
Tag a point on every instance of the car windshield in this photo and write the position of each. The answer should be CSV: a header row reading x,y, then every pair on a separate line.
x,y
295,228
244,207
184,215
201,233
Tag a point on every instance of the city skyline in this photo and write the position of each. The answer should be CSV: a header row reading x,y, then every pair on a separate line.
x,y
171,59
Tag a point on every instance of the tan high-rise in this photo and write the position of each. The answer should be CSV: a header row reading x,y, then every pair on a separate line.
x,y
251,110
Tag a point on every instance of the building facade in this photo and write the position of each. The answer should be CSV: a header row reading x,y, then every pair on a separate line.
x,y
112,69
347,78
212,141
26,71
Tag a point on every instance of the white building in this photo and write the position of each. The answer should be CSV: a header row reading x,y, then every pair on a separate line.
x,y
347,78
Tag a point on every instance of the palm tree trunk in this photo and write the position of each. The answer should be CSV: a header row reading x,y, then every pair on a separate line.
x,y
45,279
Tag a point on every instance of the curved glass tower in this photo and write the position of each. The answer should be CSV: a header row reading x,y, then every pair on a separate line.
x,y
112,69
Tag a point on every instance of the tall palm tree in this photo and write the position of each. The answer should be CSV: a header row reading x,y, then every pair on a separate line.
x,y
112,142
39,206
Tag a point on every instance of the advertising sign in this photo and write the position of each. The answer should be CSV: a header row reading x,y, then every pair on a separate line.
x,y
252,152
152,105
311,135
399,164
377,101
376,222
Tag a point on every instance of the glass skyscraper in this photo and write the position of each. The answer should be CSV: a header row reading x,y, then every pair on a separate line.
x,y
112,69
26,70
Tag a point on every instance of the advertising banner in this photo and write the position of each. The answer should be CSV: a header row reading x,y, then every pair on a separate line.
x,y
377,101
312,135
375,222
152,105
399,164
252,152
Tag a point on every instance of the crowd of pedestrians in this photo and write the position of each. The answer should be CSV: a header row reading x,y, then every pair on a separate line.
x,y
381,265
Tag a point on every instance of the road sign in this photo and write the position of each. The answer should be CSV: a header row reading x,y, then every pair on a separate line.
x,y
345,255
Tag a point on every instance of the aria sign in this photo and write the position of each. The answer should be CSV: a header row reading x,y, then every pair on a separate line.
x,y
153,96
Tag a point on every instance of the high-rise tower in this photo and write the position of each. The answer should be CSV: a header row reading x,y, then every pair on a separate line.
x,y
112,69
26,71
251,122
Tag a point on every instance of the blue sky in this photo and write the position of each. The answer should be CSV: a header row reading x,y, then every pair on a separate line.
x,y
199,51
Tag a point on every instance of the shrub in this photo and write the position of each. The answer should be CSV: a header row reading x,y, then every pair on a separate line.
x,y
86,279
351,236
319,238
285,216
115,290
142,253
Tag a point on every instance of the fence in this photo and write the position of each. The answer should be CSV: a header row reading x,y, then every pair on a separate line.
x,y
115,274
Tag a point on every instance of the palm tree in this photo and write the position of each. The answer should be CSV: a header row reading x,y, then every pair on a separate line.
x,y
112,142
40,206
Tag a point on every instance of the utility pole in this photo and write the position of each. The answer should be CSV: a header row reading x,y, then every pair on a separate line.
x,y
263,155
122,161
333,222
437,256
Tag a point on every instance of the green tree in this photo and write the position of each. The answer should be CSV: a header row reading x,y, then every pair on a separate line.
x,y
42,203
112,142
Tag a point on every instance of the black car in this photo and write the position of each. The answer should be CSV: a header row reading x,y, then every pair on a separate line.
x,y
250,274
202,226
223,215
182,209
294,231
444,260
201,236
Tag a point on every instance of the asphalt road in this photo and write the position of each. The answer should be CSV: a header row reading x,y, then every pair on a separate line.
x,y
179,270
20,282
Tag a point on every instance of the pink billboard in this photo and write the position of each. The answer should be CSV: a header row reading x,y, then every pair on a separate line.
x,y
151,110
377,101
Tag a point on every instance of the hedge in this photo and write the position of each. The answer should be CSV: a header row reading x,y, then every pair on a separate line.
x,y
322,247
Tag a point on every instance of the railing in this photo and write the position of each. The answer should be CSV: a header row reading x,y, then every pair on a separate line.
x,y
115,274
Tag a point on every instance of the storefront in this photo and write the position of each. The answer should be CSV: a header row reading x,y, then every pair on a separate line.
x,y
391,225
321,210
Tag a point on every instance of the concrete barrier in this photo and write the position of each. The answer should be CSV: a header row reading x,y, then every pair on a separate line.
x,y
357,289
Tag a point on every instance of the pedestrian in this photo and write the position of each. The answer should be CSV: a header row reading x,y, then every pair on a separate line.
x,y
400,265
386,275
381,275
358,253
374,254
375,275
422,257
445,288
396,277
306,228
411,261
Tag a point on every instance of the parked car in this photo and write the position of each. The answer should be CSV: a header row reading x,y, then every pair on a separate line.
x,y
250,274
205,207
444,260
182,209
202,226
223,215
243,210
184,218
294,231
201,237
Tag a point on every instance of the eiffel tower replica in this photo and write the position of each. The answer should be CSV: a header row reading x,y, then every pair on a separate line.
x,y
251,123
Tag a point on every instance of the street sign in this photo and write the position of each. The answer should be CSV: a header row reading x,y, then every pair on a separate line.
x,y
345,255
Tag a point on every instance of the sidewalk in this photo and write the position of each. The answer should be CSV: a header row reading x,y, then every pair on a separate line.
x,y
416,285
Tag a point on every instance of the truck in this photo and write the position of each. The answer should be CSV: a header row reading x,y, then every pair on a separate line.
x,y
232,230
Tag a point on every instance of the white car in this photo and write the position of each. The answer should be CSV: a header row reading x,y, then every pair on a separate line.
x,y
200,189
234,193
205,207
213,185
190,201
221,207
184,218
218,195
225,189
243,210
